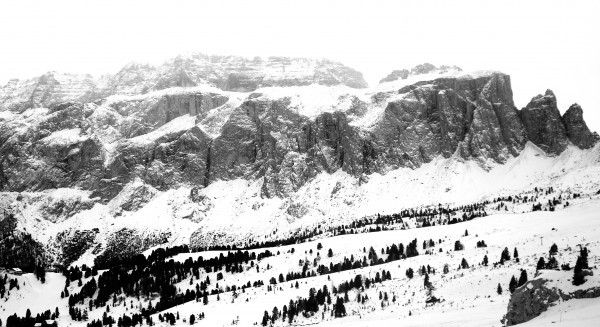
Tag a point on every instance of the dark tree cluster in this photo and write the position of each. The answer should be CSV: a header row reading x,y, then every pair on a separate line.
x,y
359,282
534,199
551,262
394,252
301,306
514,284
18,249
317,298
29,320
154,275
505,256
580,265
6,285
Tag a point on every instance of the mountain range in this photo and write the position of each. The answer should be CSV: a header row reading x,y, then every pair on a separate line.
x,y
224,149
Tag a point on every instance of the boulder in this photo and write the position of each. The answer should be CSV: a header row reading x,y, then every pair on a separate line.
x,y
537,295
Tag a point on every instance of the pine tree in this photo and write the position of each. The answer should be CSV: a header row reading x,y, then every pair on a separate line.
x,y
275,315
340,309
584,258
505,255
192,319
464,264
578,277
291,311
516,254
512,285
553,249
265,320
458,246
552,263
499,289
284,312
522,278
426,282
485,260
541,264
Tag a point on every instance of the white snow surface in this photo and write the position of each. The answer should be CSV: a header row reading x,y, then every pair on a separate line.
x,y
412,79
64,137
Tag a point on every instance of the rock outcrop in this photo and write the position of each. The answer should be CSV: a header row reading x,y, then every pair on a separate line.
x,y
537,295
544,124
576,128
474,116
421,69
54,151
396,75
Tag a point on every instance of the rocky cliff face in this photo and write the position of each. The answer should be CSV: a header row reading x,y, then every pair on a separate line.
x,y
51,89
576,128
551,132
544,124
196,136
474,117
228,73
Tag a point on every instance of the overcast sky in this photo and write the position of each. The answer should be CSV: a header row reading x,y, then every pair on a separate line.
x,y
541,44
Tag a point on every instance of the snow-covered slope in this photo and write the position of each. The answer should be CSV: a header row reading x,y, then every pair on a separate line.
x,y
232,212
468,296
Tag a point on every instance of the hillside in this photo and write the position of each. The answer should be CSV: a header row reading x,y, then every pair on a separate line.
x,y
468,296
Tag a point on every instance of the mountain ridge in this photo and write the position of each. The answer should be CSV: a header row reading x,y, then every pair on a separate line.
x,y
198,135
228,73
205,158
